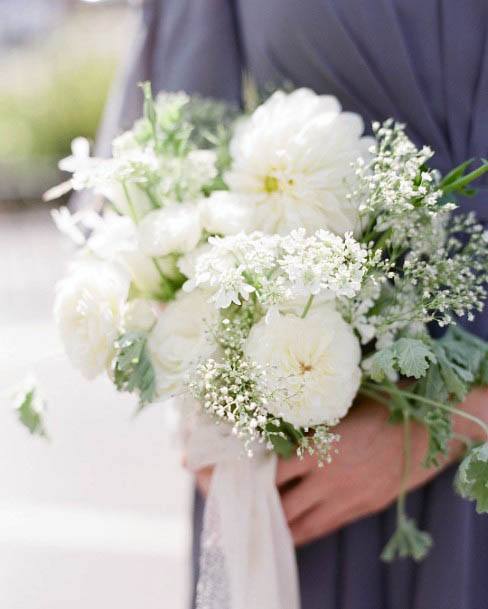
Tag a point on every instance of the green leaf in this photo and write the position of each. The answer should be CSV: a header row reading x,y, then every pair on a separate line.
x,y
282,445
439,426
472,477
466,350
432,385
407,541
454,383
456,172
461,180
437,421
381,365
284,438
133,369
414,357
30,406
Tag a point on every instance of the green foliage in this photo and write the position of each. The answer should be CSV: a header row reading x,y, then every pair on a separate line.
x,y
29,410
284,437
457,180
472,477
178,123
413,357
461,359
407,541
282,445
409,356
133,369
382,365
439,426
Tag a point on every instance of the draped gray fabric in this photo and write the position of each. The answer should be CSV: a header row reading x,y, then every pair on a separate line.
x,y
424,62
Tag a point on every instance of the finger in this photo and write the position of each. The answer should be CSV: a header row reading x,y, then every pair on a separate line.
x,y
301,498
289,469
318,522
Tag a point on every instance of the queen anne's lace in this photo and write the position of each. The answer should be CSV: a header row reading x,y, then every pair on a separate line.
x,y
280,268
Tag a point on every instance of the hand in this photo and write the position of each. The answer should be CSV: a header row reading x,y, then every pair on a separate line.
x,y
365,476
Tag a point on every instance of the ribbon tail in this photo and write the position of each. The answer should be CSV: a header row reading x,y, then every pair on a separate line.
x,y
247,556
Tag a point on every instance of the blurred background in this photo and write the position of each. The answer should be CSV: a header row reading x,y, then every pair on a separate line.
x,y
98,515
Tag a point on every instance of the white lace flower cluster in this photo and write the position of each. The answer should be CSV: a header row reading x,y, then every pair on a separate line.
x,y
395,187
278,269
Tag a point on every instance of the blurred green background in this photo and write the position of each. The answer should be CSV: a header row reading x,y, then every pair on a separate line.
x,y
57,62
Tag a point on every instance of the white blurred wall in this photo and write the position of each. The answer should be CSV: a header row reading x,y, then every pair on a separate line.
x,y
98,517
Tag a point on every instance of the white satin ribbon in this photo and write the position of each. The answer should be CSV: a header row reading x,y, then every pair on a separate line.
x,y
247,555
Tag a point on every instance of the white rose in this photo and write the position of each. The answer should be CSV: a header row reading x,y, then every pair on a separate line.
x,y
173,229
292,157
87,311
142,269
139,315
314,361
180,340
225,214
187,263
130,200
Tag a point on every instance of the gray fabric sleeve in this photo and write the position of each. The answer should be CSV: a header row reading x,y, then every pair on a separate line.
x,y
190,45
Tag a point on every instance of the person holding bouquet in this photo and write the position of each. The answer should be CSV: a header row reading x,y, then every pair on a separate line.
x,y
425,64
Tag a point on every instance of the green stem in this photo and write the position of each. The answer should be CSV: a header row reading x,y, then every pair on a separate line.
x,y
467,441
434,403
161,274
407,465
307,307
130,205
374,395
383,239
150,195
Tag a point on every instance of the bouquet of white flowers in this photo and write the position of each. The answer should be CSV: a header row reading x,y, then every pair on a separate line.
x,y
269,266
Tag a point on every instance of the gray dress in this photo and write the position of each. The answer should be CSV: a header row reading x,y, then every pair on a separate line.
x,y
424,62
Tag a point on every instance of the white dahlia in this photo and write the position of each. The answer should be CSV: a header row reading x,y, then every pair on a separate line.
x,y
291,161
312,365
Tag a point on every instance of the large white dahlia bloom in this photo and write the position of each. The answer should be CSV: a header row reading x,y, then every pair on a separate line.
x,y
291,161
312,365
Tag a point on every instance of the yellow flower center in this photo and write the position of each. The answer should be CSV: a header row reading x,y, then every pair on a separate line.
x,y
271,184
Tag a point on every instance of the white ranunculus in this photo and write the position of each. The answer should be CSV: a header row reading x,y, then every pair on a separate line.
x,y
173,229
88,310
225,214
180,340
292,158
314,362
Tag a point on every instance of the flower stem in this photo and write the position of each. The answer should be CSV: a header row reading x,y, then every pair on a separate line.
x,y
429,402
307,306
407,465
150,195
130,204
